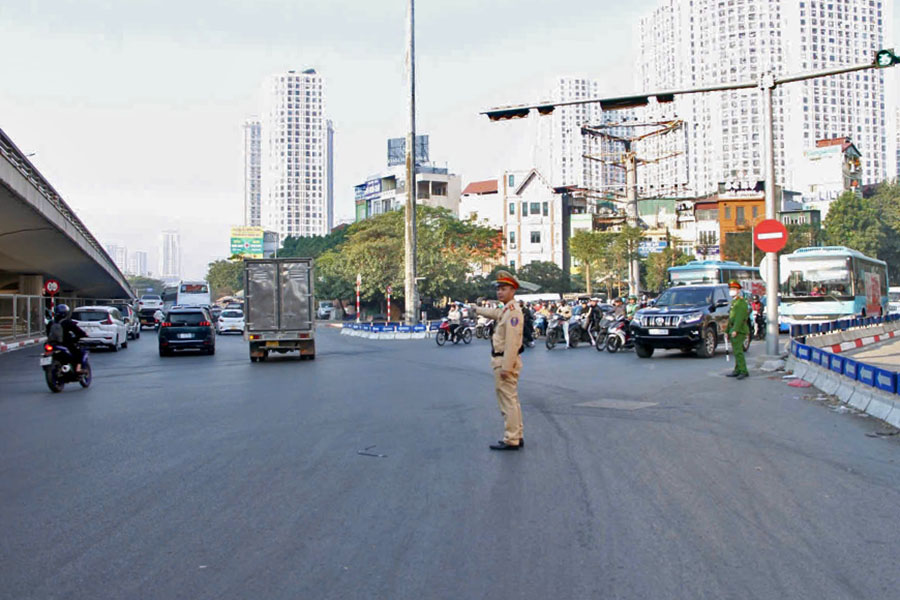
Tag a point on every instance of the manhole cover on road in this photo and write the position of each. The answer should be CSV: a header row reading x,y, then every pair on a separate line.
x,y
618,404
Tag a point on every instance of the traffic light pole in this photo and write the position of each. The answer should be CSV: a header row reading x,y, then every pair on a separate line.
x,y
634,266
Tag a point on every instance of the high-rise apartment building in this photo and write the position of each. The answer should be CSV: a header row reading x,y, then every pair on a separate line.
x,y
137,264
252,172
295,173
119,255
329,173
691,43
575,159
170,255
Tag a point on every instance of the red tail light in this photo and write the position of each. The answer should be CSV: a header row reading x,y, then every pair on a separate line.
x,y
165,324
48,348
205,324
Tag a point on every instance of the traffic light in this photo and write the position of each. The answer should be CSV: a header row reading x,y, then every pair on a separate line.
x,y
886,58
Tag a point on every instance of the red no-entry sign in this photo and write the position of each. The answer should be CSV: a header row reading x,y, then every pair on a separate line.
x,y
770,235
51,287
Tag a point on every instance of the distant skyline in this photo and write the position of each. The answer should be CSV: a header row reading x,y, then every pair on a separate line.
x,y
135,110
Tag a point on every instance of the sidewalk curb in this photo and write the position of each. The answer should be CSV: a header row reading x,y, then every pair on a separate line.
x,y
864,398
18,345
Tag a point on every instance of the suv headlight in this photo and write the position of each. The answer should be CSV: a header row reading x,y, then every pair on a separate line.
x,y
693,317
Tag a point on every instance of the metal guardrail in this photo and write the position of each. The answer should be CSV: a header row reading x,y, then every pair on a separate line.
x,y
798,330
24,317
17,159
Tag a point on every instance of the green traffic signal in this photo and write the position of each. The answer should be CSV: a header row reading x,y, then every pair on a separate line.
x,y
886,58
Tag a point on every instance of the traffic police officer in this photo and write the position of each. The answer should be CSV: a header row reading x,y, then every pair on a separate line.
x,y
738,329
506,345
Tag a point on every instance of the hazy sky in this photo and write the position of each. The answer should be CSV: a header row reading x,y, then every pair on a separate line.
x,y
134,107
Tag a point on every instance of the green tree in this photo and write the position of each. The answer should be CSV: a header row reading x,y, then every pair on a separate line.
x,y
656,275
625,249
738,246
313,246
592,250
854,222
447,249
545,274
225,277
886,201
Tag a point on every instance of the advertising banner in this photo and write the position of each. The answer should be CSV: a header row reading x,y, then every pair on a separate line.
x,y
247,242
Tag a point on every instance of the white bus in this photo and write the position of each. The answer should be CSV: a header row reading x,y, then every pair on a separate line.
x,y
186,293
826,283
718,271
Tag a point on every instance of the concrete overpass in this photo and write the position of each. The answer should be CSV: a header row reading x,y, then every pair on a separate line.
x,y
41,237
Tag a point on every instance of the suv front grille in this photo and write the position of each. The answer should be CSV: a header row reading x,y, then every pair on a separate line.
x,y
661,321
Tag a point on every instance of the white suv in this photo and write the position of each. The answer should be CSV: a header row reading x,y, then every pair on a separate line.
x,y
103,325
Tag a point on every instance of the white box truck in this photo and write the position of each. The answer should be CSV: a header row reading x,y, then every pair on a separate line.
x,y
279,306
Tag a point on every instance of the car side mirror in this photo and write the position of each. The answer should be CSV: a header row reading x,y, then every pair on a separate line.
x,y
720,303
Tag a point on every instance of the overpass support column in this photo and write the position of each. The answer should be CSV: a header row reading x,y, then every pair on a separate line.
x,y
31,285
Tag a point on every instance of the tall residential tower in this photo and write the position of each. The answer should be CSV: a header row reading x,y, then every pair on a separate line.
x,y
295,170
252,172
691,43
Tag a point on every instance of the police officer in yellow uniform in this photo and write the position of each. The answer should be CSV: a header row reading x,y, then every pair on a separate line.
x,y
506,345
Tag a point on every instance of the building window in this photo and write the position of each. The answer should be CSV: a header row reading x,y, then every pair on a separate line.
x,y
740,215
535,237
546,209
535,208
524,209
727,212
511,180
512,208
755,211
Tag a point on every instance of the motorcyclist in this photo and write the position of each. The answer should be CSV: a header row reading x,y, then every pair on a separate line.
x,y
594,315
565,311
619,310
453,317
757,307
66,334
631,307
528,319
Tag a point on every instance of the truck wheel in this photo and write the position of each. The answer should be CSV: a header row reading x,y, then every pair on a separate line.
x,y
643,351
707,346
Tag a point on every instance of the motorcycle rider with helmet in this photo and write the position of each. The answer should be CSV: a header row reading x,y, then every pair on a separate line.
x,y
66,334
756,305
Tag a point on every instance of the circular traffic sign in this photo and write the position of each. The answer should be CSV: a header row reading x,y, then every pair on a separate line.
x,y
770,235
51,287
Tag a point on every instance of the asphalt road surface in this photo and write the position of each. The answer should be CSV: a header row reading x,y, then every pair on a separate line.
x,y
202,477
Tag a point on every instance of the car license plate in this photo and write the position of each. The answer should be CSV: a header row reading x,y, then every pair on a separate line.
x,y
185,336
46,360
659,332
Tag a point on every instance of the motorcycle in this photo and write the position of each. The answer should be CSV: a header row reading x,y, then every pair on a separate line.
x,y
484,328
554,331
760,323
540,326
463,332
59,368
579,331
619,336
602,332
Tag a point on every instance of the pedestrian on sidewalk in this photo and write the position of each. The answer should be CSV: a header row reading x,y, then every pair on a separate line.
x,y
506,346
738,329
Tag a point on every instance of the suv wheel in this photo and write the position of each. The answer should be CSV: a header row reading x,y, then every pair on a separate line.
x,y
643,351
707,343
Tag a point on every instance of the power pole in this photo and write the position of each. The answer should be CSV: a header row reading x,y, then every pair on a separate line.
x,y
411,315
766,87
634,267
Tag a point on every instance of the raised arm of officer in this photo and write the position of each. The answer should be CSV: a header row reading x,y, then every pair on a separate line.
x,y
484,311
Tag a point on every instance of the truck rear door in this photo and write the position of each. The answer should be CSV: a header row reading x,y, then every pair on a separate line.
x,y
296,296
262,296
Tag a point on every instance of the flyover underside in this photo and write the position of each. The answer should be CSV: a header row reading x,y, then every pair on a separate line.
x,y
33,244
